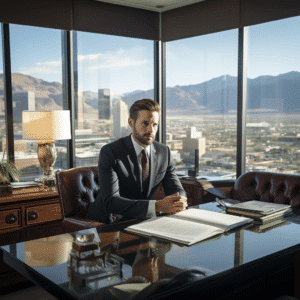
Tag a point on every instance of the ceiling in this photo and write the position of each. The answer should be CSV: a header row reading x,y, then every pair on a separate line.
x,y
154,5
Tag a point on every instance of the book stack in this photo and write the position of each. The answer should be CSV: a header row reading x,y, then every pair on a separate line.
x,y
260,212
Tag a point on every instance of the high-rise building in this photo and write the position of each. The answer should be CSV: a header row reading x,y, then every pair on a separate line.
x,y
193,141
192,133
22,101
104,104
120,119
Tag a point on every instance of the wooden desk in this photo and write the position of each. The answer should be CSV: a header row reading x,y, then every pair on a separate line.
x,y
27,207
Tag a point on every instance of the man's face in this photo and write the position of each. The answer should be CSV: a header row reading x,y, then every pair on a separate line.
x,y
145,127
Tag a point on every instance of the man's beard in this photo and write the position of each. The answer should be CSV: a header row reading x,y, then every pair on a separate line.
x,y
141,139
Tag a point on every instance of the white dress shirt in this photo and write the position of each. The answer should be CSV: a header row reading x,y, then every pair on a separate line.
x,y
138,150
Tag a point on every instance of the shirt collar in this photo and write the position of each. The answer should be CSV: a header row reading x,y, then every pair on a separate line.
x,y
138,148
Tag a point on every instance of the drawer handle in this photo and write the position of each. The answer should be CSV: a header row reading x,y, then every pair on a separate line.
x,y
11,218
32,215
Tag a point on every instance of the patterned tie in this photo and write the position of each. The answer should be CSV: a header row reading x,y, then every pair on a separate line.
x,y
145,172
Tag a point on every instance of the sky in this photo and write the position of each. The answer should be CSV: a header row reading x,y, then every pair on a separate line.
x,y
126,64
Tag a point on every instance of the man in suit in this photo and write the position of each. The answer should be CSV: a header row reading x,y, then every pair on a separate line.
x,y
131,169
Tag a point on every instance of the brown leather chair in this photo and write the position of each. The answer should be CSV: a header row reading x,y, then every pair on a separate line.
x,y
77,188
194,191
264,186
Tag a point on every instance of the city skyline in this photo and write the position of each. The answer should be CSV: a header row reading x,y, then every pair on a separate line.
x,y
126,64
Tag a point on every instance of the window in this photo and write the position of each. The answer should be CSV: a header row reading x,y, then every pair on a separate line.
x,y
113,72
202,103
36,85
273,114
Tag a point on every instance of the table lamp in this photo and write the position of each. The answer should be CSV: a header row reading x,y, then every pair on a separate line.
x,y
46,126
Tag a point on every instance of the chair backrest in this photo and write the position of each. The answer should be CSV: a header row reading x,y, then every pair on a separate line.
x,y
77,188
268,187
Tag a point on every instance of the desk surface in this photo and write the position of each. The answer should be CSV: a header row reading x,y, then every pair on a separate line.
x,y
152,259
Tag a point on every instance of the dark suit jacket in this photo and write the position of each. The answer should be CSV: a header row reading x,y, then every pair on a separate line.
x,y
119,179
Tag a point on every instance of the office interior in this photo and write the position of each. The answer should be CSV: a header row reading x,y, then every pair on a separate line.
x,y
72,24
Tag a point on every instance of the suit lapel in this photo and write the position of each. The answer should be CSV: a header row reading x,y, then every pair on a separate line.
x,y
132,159
153,168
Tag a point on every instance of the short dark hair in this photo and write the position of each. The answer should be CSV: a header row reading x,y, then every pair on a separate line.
x,y
143,104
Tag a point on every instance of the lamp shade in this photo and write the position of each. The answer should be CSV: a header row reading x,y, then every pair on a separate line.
x,y
46,125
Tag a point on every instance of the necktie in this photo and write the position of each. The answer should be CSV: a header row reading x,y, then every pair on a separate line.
x,y
145,172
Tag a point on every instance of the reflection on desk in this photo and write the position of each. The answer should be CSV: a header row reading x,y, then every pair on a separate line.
x,y
230,261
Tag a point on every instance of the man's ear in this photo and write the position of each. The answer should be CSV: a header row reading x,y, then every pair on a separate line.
x,y
131,122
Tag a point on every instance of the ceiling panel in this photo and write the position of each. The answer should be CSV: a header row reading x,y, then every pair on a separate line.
x,y
154,5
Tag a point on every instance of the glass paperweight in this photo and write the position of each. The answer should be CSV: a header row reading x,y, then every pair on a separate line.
x,y
87,263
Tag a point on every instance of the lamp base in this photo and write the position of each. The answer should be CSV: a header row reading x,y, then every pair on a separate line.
x,y
47,157
49,181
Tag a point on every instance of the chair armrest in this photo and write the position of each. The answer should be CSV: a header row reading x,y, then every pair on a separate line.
x,y
217,188
220,193
83,222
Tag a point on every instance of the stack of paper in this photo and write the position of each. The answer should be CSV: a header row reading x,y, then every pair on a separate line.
x,y
16,185
261,212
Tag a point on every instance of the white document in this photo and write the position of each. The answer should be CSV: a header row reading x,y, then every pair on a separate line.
x,y
189,226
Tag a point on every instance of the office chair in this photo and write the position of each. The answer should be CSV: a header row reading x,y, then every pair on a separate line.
x,y
264,186
77,188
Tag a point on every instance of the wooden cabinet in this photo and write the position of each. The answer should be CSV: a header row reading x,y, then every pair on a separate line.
x,y
10,219
28,207
24,208
43,213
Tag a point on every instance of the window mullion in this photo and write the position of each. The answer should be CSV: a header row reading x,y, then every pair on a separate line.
x,y
8,93
242,101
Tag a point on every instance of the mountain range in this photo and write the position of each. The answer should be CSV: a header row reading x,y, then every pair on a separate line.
x,y
219,95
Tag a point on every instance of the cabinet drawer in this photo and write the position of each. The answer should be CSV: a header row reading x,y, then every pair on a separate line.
x,y
43,213
10,218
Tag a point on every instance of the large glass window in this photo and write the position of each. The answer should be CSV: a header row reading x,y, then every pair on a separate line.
x,y
36,85
113,72
273,115
202,103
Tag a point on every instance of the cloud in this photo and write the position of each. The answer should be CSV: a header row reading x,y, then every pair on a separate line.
x,y
118,59
114,60
48,67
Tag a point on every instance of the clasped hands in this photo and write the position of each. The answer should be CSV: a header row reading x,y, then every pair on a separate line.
x,y
171,204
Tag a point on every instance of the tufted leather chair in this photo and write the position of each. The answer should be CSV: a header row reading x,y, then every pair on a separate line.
x,y
265,186
77,188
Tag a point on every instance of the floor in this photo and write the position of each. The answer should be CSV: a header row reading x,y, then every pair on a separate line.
x,y
31,293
